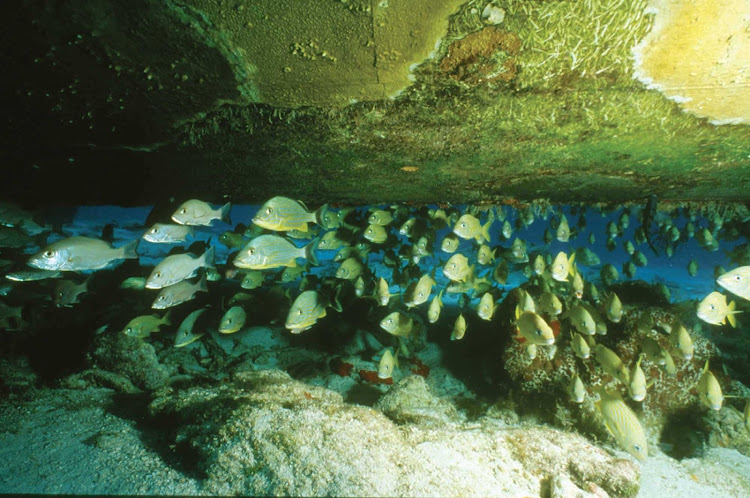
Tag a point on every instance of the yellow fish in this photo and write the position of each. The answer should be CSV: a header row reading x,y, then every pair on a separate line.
x,y
709,390
450,243
580,347
272,251
715,310
383,293
282,214
623,424
469,227
538,265
533,328
737,281
388,363
563,230
198,213
562,266
486,308
419,292
681,341
307,309
350,269
185,333
380,218
613,306
376,234
637,386
577,390
142,326
397,324
457,268
609,274
233,320
433,312
459,328
612,363
485,256
549,304
252,279
581,319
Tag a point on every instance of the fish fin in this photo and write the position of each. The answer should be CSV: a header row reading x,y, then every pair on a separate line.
x,y
129,250
571,260
310,251
202,285
320,213
335,302
518,312
209,257
108,233
486,230
224,212
167,318
730,316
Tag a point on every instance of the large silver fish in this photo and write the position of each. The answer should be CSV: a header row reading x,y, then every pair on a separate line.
x,y
81,253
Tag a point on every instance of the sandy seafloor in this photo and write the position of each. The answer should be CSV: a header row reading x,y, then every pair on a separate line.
x,y
59,441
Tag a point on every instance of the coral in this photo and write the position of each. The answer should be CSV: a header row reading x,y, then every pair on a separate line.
x,y
478,57
418,367
371,377
341,367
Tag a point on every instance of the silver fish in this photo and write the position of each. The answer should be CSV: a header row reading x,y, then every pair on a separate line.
x,y
81,253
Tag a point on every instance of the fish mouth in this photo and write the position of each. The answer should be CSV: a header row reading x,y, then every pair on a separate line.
x,y
261,223
551,340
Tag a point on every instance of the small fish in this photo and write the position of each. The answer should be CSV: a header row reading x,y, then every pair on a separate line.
x,y
533,328
737,281
32,275
167,233
580,347
709,390
576,286
383,294
350,269
592,238
613,306
587,257
506,230
562,266
518,251
332,240
380,218
66,293
485,256
310,234
457,268
637,386
185,333
629,247
525,301
538,265
178,267
423,247
669,367
252,279
273,251
388,363
623,424
198,213
549,304
283,214
591,292
680,340
639,259
292,273
600,324
611,363
138,283
307,309
179,293
612,229
354,252
359,286
407,228
397,324
433,312
469,227
450,243
576,390
376,234
530,351
232,240
419,292
142,326
500,273
563,230
486,308
628,268
715,310
459,328
581,319
81,253
653,351
233,320
609,274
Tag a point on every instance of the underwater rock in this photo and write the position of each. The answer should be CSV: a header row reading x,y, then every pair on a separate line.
x,y
99,378
16,375
132,358
265,433
726,429
410,400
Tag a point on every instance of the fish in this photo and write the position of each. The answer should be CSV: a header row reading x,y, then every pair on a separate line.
x,y
359,286
576,286
457,268
309,307
637,386
576,390
737,281
563,230
168,233
423,247
530,351
469,227
232,240
138,283
653,351
292,273
376,234
525,301
591,292
185,332
459,328
669,367
380,218
600,325
252,279
611,363
32,275
538,265
397,324
587,257
714,309
179,293
66,292
144,325
518,252
233,320
433,312
383,293
334,219
387,364
199,213
500,273
506,230
580,347
533,328
486,308
549,304
562,266
485,256
81,253
639,259
450,243
419,292
334,239
629,247
680,340
273,251
592,238
628,268
282,214
349,269
613,307
581,319
609,274
623,424
709,390
178,267
354,252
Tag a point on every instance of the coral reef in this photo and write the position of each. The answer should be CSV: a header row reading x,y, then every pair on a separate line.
x,y
474,59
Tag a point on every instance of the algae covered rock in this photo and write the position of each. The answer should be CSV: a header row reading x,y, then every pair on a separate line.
x,y
132,358
411,401
265,433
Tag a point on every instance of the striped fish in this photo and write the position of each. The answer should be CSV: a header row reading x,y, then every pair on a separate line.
x,y
272,251
709,390
185,334
623,424
307,309
282,214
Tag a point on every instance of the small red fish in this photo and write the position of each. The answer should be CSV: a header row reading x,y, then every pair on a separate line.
x,y
371,376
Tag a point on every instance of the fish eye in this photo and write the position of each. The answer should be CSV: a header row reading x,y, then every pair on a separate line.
x,y
251,251
183,210
637,447
162,298
157,274
61,293
48,254
390,320
154,230
712,307
299,312
463,225
737,278
229,320
538,331
129,330
269,210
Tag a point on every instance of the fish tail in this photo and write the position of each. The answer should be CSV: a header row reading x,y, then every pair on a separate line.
x,y
486,230
335,302
320,213
310,251
167,318
129,250
224,212
202,285
730,316
209,258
